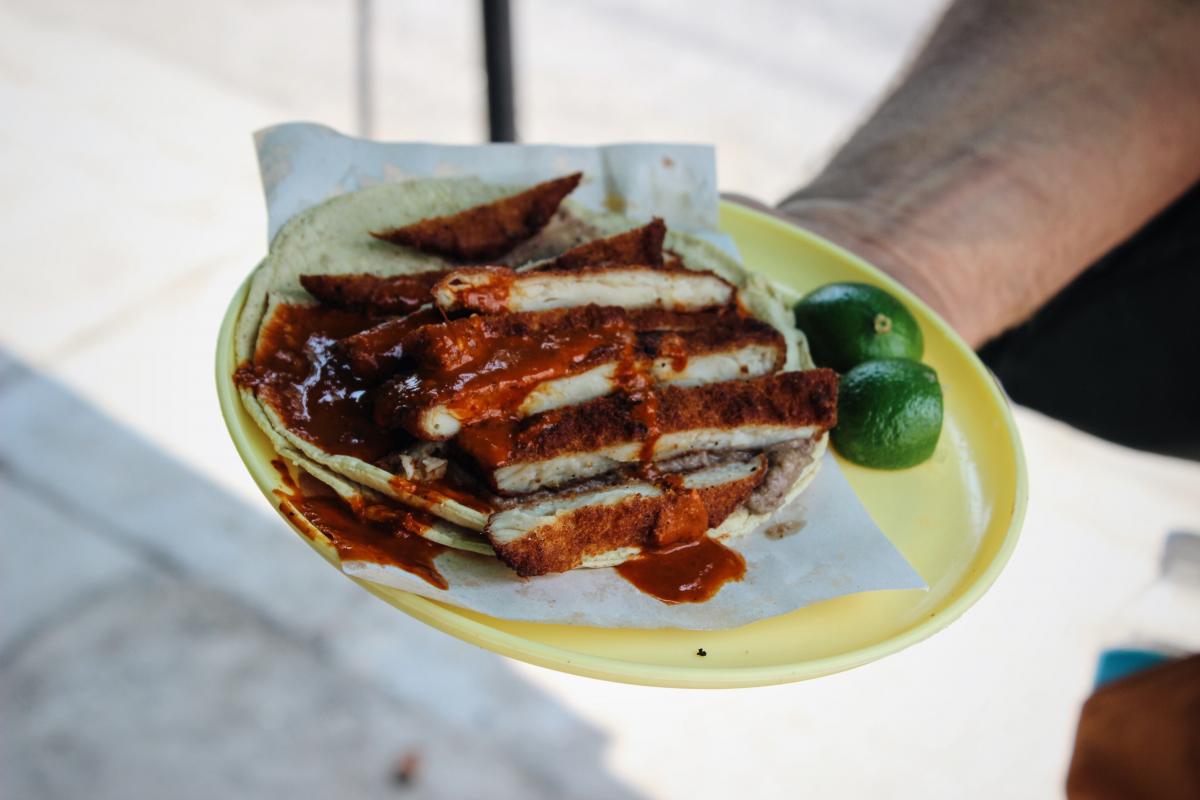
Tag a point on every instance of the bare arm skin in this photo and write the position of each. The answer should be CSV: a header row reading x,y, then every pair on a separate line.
x,y
1026,140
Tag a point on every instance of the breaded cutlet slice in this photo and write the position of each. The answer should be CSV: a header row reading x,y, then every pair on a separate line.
x,y
584,441
642,245
377,294
519,365
559,533
487,230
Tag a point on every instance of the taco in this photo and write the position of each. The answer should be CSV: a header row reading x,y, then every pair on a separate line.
x,y
531,379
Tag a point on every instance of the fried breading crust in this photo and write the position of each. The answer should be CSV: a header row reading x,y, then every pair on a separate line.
x,y
662,319
733,335
452,344
807,398
511,350
631,522
492,386
377,352
378,294
449,345
642,245
487,230
494,290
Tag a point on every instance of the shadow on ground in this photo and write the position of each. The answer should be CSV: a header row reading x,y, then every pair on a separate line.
x,y
161,637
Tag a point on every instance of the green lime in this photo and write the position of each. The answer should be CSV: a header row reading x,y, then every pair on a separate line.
x,y
849,323
889,413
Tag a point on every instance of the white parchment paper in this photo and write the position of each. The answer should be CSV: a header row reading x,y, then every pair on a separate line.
x,y
821,546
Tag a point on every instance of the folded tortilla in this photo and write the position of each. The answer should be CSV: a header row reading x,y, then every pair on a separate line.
x,y
331,239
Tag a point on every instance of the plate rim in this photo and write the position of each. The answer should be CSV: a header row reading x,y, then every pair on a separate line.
x,y
461,624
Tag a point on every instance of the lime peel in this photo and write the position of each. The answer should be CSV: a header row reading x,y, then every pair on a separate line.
x,y
849,323
889,414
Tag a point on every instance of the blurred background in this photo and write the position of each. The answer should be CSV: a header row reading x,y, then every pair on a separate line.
x,y
163,634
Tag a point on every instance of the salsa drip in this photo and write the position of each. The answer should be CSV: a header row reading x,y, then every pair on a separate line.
x,y
692,572
306,379
490,296
684,517
439,489
378,351
671,345
376,532
503,372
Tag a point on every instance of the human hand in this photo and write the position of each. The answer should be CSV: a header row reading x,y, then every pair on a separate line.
x,y
1015,152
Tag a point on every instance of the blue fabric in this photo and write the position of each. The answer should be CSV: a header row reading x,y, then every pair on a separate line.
x,y
1117,664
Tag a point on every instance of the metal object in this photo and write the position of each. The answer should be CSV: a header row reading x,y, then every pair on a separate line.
x,y
498,66
498,62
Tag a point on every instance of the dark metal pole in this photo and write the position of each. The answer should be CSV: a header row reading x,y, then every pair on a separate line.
x,y
498,61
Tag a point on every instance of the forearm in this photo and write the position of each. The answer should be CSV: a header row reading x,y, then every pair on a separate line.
x,y
1027,139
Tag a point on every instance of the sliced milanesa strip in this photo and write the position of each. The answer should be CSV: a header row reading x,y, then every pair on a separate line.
x,y
642,245
487,230
493,290
377,294
470,375
580,442
742,348
660,319
379,350
558,534
485,367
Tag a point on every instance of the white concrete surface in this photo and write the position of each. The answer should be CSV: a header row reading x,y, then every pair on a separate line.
x,y
96,705
163,634
66,553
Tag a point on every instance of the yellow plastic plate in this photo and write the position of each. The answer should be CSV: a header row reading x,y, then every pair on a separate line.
x,y
956,518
